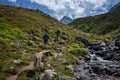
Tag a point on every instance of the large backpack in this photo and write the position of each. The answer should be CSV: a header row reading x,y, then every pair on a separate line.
x,y
45,37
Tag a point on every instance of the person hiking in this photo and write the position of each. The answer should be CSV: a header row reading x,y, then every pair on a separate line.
x,y
57,34
45,39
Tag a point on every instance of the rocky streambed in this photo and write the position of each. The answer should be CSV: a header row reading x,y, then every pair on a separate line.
x,y
102,62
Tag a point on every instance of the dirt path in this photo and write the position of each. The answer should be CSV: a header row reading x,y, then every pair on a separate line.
x,y
30,66
14,77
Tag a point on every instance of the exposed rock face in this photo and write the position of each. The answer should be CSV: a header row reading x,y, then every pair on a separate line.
x,y
83,40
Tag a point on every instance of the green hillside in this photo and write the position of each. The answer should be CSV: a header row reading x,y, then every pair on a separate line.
x,y
21,32
108,23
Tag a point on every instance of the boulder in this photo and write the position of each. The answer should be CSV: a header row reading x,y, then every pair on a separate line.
x,y
64,37
117,74
82,77
83,40
48,75
18,62
117,43
69,67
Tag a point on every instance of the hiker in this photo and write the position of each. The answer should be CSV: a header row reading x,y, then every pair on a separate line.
x,y
45,39
57,34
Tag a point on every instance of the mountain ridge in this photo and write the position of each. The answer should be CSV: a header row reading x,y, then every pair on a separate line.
x,y
117,6
108,23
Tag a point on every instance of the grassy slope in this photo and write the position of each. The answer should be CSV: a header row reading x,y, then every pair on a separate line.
x,y
21,32
108,23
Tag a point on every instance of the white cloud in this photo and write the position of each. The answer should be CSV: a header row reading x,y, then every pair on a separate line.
x,y
76,8
12,0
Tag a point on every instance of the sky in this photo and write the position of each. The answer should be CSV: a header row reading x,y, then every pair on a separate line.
x,y
71,8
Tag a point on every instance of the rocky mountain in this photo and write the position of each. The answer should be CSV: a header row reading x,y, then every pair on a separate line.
x,y
66,20
108,23
116,7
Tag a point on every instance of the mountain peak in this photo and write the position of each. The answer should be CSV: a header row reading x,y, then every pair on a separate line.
x,y
66,20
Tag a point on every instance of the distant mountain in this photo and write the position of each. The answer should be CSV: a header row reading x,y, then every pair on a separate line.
x,y
117,6
66,20
108,23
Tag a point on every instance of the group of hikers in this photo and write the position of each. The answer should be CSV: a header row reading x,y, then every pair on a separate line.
x,y
46,37
39,57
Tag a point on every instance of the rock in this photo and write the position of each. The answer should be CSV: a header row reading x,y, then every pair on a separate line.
x,y
48,75
64,37
45,76
69,67
12,70
96,68
30,73
108,56
117,74
82,77
83,40
64,49
80,62
18,62
35,38
87,58
117,43
65,62
61,42
48,53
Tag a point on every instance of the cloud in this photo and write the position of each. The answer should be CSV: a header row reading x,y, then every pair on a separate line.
x,y
76,8
13,1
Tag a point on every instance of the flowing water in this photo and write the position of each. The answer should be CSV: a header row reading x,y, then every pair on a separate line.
x,y
96,68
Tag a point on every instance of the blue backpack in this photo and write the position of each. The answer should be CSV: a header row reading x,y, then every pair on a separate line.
x,y
45,37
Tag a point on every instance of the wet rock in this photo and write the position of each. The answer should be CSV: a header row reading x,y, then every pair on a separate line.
x,y
80,62
96,68
117,43
83,77
87,58
108,56
117,74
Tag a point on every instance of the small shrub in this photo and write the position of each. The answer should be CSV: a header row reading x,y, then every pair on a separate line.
x,y
11,70
78,52
3,41
80,45
30,43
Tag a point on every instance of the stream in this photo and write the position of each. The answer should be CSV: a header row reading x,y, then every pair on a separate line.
x,y
102,62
